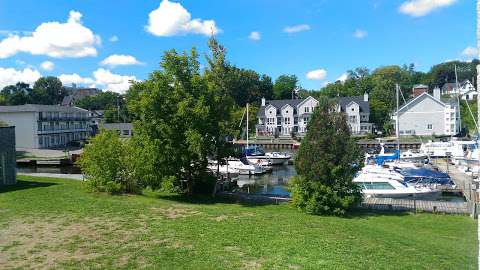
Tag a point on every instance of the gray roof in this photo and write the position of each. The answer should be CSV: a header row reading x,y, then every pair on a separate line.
x,y
279,104
67,100
40,108
344,101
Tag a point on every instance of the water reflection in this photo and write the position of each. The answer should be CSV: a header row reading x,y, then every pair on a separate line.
x,y
274,183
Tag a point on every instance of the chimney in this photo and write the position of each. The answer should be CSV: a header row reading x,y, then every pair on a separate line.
x,y
365,97
263,101
436,93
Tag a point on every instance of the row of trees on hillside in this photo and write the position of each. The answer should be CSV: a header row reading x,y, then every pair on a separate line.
x,y
46,90
380,84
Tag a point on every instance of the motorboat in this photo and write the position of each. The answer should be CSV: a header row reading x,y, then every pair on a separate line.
x,y
256,154
402,164
244,167
223,169
426,177
437,149
373,185
381,171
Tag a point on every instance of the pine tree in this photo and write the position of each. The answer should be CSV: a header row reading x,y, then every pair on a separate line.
x,y
326,164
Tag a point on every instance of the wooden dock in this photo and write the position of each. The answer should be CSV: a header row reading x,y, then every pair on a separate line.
x,y
387,204
463,182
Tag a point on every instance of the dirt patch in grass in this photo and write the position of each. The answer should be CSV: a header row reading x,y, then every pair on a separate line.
x,y
45,244
175,212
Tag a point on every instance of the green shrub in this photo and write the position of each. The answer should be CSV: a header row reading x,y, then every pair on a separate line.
x,y
103,162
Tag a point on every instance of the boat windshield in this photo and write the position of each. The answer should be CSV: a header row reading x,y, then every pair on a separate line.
x,y
376,185
254,151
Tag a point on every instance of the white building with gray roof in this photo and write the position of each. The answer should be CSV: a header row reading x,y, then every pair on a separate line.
x,y
357,109
284,117
428,115
46,126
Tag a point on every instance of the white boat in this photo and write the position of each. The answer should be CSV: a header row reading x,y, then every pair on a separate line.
x,y
244,168
413,156
373,185
437,149
257,155
398,164
223,169
382,171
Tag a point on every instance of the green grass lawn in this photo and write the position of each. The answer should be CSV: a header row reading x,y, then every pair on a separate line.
x,y
47,223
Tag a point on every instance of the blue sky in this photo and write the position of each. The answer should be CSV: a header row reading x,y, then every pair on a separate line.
x,y
323,37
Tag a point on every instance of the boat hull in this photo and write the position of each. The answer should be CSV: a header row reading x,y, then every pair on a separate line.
x,y
274,161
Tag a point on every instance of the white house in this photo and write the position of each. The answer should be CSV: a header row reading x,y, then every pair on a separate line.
x,y
284,117
357,109
466,90
46,126
428,115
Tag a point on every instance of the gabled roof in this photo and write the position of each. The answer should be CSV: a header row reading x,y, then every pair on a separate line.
x,y
423,95
279,104
343,102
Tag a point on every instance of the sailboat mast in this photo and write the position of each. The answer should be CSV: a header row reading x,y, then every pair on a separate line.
x,y
478,73
247,125
397,128
458,100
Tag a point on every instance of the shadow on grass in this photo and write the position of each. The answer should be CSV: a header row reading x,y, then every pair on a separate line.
x,y
21,185
359,213
209,200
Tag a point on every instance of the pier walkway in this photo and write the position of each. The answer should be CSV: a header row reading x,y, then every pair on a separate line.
x,y
463,182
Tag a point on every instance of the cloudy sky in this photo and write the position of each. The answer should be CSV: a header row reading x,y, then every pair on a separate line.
x,y
107,43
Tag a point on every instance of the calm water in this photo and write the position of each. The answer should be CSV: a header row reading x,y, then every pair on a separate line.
x,y
48,169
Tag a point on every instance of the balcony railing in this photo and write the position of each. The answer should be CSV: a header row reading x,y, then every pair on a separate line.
x,y
44,118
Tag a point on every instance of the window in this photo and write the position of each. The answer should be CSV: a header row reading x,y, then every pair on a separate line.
x,y
376,185
429,126
307,109
126,132
286,120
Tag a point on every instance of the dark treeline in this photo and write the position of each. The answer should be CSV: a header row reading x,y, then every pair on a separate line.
x,y
46,90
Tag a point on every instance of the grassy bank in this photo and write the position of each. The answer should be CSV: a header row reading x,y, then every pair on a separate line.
x,y
46,223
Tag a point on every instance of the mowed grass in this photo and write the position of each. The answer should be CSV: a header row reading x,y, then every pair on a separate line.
x,y
48,223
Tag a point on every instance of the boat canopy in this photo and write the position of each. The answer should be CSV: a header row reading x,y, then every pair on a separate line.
x,y
253,151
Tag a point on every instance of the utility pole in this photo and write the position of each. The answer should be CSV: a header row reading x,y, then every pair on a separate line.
x,y
397,122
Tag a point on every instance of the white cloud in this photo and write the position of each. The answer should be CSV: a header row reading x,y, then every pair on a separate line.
x,y
343,78
470,52
70,39
112,82
171,19
419,8
101,78
359,33
255,36
10,76
113,38
120,60
68,79
296,28
318,74
47,65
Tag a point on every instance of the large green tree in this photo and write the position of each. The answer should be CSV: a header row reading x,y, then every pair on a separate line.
x,y
179,117
48,90
326,164
284,86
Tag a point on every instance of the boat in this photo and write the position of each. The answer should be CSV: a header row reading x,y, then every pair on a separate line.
x,y
223,169
244,167
256,154
374,185
382,171
426,177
